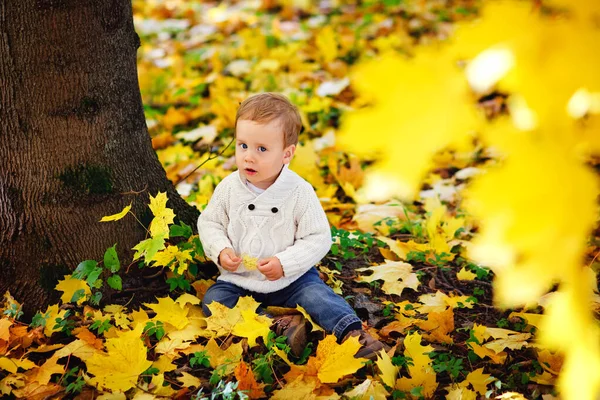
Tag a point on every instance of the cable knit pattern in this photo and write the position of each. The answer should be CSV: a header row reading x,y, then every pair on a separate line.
x,y
286,221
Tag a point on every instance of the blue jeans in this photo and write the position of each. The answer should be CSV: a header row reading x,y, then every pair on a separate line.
x,y
327,309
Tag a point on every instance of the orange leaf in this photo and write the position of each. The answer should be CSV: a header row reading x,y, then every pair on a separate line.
x,y
247,381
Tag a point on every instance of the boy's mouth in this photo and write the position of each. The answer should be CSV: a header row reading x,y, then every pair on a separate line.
x,y
250,171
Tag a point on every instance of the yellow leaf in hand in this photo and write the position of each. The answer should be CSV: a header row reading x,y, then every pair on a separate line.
x,y
250,263
116,217
333,361
69,286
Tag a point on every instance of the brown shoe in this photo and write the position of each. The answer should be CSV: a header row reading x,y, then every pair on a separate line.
x,y
370,346
294,328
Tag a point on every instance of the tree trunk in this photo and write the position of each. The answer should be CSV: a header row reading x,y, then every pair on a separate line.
x,y
73,142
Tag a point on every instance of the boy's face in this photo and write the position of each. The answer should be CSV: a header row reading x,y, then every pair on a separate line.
x,y
260,152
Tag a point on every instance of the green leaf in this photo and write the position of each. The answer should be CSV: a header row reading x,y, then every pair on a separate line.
x,y
77,295
111,260
115,282
93,276
84,268
181,230
95,298
149,247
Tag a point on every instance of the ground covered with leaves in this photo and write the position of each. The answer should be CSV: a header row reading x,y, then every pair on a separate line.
x,y
402,265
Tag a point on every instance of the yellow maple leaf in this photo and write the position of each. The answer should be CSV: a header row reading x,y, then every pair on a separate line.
x,y
421,372
465,275
175,258
118,216
388,371
164,364
222,319
514,342
297,389
479,380
396,275
333,361
5,324
163,216
456,392
482,352
37,391
160,389
10,381
8,364
327,44
43,374
368,390
53,313
252,327
314,325
170,312
439,325
79,348
125,359
187,298
250,263
229,358
189,380
171,347
69,286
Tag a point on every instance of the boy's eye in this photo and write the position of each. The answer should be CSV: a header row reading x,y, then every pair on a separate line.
x,y
262,149
243,146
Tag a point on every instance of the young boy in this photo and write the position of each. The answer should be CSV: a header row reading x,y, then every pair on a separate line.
x,y
267,212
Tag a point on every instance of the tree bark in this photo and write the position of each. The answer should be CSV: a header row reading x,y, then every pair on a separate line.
x,y
73,142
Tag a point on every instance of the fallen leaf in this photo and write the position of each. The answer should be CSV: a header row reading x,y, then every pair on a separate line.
x,y
368,390
333,361
247,381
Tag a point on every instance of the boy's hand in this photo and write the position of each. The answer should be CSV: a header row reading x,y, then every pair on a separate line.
x,y
229,260
271,268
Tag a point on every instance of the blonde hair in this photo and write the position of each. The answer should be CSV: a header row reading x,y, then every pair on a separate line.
x,y
266,107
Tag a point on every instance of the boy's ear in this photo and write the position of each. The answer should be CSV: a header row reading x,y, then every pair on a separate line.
x,y
288,153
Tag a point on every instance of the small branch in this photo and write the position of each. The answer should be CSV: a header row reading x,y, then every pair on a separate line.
x,y
205,161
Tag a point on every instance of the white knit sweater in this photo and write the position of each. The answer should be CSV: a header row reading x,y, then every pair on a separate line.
x,y
286,221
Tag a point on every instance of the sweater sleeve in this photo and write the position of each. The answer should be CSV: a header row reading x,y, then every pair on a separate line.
x,y
313,234
212,224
